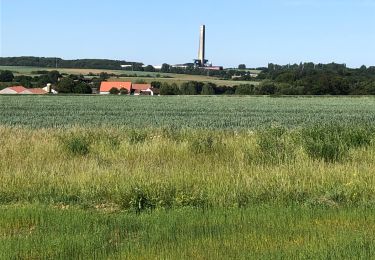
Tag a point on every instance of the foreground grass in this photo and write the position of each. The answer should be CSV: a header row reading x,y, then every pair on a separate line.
x,y
165,193
139,170
261,232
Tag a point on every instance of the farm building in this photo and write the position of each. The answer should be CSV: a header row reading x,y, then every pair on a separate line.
x,y
33,91
133,89
105,86
150,92
13,90
19,90
138,89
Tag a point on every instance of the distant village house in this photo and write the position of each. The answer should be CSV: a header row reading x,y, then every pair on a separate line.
x,y
132,89
20,90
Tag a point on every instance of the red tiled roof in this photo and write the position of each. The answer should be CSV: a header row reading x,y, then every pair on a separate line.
x,y
37,91
106,86
141,86
18,89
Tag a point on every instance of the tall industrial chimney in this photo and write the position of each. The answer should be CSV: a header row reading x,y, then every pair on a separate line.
x,y
202,46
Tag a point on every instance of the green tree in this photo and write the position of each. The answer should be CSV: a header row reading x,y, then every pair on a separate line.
x,y
140,81
165,68
242,67
208,89
25,81
245,90
66,85
156,84
124,91
267,88
114,91
6,76
167,89
104,76
82,88
188,88
54,76
149,68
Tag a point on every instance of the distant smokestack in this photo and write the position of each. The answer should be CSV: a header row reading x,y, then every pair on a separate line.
x,y
202,46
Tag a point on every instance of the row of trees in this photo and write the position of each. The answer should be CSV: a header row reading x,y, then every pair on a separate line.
x,y
193,88
68,84
320,79
73,85
266,87
61,63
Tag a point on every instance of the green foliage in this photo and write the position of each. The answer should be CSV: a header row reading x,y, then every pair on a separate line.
x,y
242,67
202,144
66,85
156,84
188,89
169,89
140,81
274,146
188,168
6,76
61,63
262,232
136,136
208,89
318,79
77,145
82,88
124,91
104,76
333,143
245,90
138,200
149,68
267,88
114,91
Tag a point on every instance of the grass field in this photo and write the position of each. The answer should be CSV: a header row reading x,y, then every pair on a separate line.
x,y
266,232
187,177
175,78
184,111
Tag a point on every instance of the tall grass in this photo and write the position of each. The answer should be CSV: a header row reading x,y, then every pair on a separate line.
x,y
147,169
260,232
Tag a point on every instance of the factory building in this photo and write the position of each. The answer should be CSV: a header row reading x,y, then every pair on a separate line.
x,y
202,62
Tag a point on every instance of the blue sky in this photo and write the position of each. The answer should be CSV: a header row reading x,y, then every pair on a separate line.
x,y
153,32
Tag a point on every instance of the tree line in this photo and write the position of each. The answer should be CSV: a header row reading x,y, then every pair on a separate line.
x,y
61,63
203,88
63,83
319,79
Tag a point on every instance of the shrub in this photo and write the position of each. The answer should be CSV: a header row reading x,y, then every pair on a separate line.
x,y
324,143
137,136
274,146
6,76
332,143
245,90
139,200
124,91
171,133
114,91
202,144
77,145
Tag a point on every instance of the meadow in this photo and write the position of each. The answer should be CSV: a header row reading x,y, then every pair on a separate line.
x,y
141,75
213,112
187,177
